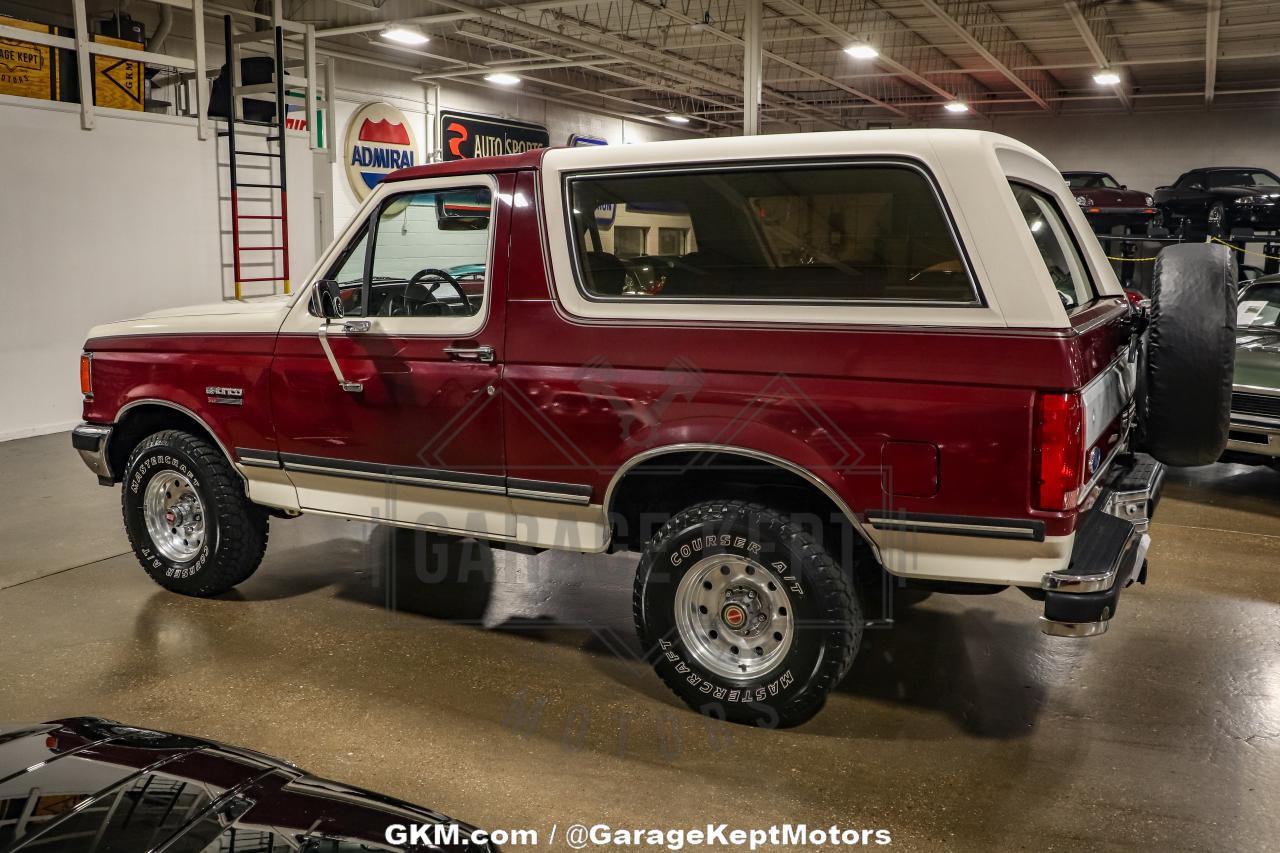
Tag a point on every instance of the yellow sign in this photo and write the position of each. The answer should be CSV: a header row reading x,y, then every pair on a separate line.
x,y
27,69
117,83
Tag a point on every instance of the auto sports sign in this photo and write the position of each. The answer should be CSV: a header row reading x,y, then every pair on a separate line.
x,y
379,140
467,135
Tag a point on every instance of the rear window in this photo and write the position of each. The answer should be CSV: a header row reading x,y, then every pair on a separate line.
x,y
815,234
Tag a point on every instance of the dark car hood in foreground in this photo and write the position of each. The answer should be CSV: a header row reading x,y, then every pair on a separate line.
x,y
88,784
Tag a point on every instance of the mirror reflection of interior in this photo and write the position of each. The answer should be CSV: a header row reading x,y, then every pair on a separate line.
x,y
430,257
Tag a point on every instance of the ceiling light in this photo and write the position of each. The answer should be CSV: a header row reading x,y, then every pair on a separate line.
x,y
1106,78
502,78
409,34
862,51
957,107
678,119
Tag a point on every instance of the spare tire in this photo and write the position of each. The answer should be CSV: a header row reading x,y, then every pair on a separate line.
x,y
1184,382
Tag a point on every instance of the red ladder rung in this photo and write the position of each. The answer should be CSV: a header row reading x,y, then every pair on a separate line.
x,y
259,216
264,278
258,248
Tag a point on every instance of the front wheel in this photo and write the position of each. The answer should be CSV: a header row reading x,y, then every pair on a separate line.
x,y
746,616
188,519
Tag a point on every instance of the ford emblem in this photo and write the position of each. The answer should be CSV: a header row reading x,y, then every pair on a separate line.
x,y
1095,459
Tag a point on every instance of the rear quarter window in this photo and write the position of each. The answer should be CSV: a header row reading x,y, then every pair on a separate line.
x,y
1057,246
795,233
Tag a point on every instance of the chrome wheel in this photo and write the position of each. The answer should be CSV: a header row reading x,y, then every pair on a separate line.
x,y
734,616
174,516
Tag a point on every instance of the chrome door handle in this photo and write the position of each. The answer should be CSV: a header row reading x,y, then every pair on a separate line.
x,y
356,326
470,353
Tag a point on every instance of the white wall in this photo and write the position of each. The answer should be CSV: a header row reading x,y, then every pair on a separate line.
x,y
98,226
1146,150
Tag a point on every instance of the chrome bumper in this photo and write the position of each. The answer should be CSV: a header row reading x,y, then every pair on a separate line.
x,y
1109,552
1253,434
91,441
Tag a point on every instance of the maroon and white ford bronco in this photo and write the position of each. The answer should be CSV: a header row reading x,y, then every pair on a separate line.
x,y
789,371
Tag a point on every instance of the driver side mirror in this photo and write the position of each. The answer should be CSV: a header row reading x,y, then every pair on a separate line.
x,y
326,300
1124,186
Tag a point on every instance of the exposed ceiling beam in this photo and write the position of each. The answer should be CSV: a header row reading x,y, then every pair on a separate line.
x,y
981,49
451,17
843,38
1211,50
1090,38
732,87
663,9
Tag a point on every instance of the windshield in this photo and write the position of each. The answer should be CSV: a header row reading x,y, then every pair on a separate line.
x,y
1260,308
1242,178
1091,181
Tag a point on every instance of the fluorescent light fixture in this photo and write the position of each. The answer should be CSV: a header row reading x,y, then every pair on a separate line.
x,y
957,107
678,119
1106,78
409,34
862,51
502,78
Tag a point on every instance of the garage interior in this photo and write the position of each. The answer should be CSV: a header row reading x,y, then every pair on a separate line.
x,y
516,695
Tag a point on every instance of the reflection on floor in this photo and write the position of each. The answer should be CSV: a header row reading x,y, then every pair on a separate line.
x,y
509,690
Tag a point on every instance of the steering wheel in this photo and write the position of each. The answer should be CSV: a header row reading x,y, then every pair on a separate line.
x,y
430,290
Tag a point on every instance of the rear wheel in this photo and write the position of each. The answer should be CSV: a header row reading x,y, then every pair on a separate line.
x,y
188,519
746,616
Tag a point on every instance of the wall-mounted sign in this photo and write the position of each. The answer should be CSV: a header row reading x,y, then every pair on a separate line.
x,y
579,140
117,83
378,141
467,135
27,69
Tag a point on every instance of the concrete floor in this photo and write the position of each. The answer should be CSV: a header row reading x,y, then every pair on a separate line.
x,y
520,701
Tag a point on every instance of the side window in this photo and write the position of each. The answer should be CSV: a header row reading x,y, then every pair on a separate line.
x,y
430,257
1057,245
816,233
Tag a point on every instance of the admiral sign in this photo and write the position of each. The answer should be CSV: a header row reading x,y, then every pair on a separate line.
x,y
467,135
379,140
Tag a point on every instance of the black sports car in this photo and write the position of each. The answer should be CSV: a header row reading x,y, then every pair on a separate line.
x,y
1218,200
87,784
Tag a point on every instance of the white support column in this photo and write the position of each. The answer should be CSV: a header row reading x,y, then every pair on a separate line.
x,y
84,64
330,118
752,67
201,80
309,59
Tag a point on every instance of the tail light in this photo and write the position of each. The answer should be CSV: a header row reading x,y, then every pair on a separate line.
x,y
86,374
1058,451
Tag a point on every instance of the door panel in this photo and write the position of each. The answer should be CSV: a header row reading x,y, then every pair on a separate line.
x,y
421,442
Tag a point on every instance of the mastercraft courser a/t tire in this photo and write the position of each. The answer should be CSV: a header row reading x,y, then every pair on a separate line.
x,y
1184,382
744,615
188,519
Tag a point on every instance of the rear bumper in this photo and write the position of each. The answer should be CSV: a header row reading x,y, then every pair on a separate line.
x,y
1109,552
91,441
1110,217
